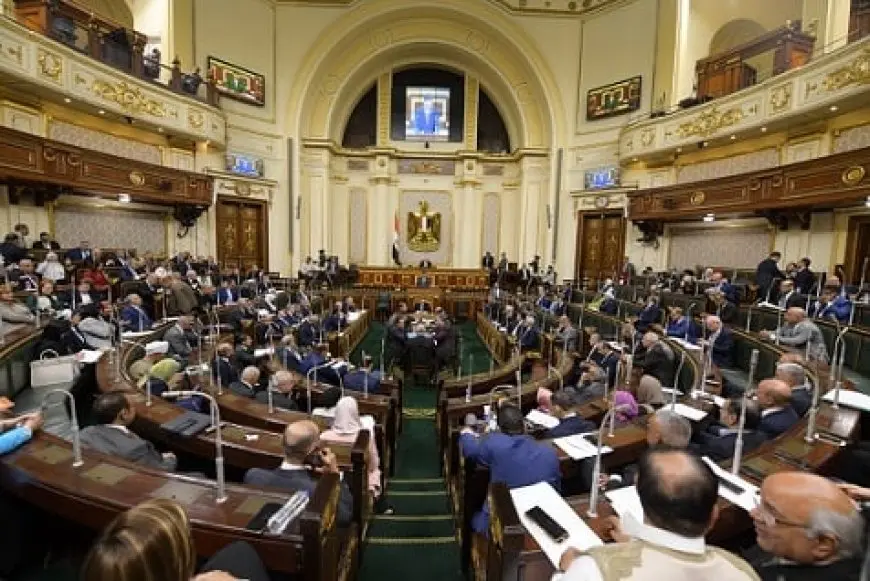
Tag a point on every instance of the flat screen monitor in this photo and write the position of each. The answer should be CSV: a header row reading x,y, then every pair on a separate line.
x,y
427,114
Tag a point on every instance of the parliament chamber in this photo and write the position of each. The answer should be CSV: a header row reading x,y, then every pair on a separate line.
x,y
496,290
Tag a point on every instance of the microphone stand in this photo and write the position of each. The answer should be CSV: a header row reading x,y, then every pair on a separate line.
x,y
612,423
860,288
216,423
592,512
468,388
677,379
688,321
308,381
741,425
778,325
749,319
74,423
839,372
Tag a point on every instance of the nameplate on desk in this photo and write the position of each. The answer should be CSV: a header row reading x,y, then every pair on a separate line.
x,y
690,413
735,489
169,319
542,495
541,419
578,447
850,399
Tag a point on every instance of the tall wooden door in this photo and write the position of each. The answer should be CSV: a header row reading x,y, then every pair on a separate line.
x,y
857,249
242,233
600,245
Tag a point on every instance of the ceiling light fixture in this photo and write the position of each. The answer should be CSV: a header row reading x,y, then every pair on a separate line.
x,y
679,150
67,100
711,217
834,108
101,112
764,129
733,137
124,198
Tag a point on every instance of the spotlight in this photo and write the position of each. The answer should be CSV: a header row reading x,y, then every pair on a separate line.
x,y
711,217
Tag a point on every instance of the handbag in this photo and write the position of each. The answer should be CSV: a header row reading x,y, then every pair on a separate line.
x,y
53,370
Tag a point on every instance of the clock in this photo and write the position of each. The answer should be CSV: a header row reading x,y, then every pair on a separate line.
x,y
601,202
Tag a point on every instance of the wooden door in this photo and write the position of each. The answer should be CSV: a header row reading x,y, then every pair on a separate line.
x,y
242,233
857,248
600,245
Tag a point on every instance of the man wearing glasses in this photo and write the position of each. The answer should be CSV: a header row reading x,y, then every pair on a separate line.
x,y
810,528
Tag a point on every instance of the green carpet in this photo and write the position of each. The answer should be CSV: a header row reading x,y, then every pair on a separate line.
x,y
418,540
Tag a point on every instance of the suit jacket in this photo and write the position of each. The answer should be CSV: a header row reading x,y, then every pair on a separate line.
x,y
136,319
308,334
845,570
513,460
682,328
488,261
567,337
804,281
225,370
571,426
52,245
722,349
529,338
334,322
775,423
839,309
281,400
300,480
765,273
79,255
227,296
792,299
801,400
649,315
243,389
74,340
655,362
182,299
721,446
125,444
179,341
356,380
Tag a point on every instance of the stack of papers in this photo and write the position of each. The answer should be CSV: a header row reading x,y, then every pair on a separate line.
x,y
719,401
747,499
580,536
851,399
625,501
687,412
578,447
542,419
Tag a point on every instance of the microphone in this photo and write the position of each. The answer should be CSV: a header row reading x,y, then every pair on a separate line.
x,y
74,423
308,380
688,320
596,472
677,379
505,387
839,383
741,426
468,388
778,324
218,442
749,319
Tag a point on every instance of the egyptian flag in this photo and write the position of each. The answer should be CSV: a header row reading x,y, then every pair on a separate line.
x,y
396,258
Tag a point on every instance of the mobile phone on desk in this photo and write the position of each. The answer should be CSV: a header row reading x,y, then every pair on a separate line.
x,y
553,529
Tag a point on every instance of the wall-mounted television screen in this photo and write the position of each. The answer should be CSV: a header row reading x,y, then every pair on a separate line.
x,y
427,114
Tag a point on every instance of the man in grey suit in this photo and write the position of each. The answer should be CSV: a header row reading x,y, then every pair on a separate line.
x,y
304,460
801,334
112,436
181,338
566,334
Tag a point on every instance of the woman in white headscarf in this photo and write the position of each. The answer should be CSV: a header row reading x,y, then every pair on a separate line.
x,y
345,428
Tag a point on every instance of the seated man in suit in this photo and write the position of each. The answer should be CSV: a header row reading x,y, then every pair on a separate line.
x,y
336,321
227,294
283,384
247,384
794,375
832,305
788,297
681,327
808,528
528,336
564,406
309,331
223,371
566,335
801,334
718,440
720,342
304,460
590,386
363,378
181,338
315,358
656,360
133,316
111,434
244,354
514,458
777,414
45,242
650,315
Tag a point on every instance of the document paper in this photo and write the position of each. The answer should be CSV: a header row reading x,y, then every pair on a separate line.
x,y
747,499
578,447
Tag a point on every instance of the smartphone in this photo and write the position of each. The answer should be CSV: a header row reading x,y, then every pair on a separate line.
x,y
553,529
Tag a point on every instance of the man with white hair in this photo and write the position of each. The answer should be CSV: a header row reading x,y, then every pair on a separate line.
x,y
794,375
282,386
528,337
809,528
51,268
246,386
801,334
133,316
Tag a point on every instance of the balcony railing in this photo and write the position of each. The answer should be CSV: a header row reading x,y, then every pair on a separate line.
x,y
109,42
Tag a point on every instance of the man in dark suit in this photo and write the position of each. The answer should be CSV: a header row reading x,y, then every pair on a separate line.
x,y
309,331
304,461
149,290
111,434
564,406
720,341
488,261
513,457
81,254
133,315
181,338
795,377
656,359
10,250
228,293
766,272
45,242
445,341
336,321
804,279
247,384
718,440
788,297
282,391
777,414
74,339
425,263
363,378
650,315
315,358
223,369
528,336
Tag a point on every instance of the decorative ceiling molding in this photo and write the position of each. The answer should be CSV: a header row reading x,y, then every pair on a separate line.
x,y
548,7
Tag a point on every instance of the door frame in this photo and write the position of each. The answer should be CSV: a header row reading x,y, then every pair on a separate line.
x,y
264,222
582,216
852,261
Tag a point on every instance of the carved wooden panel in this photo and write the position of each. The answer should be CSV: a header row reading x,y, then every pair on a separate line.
x,y
821,183
241,233
600,245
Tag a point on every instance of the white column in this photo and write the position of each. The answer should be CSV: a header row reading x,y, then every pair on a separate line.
x,y
533,208
684,69
315,192
468,210
837,24
339,224
381,212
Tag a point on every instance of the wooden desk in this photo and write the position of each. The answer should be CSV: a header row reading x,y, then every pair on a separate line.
x,y
445,278
343,344
92,495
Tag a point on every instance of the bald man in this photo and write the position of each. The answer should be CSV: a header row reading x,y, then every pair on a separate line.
x,y
678,493
656,359
800,333
811,527
304,460
777,413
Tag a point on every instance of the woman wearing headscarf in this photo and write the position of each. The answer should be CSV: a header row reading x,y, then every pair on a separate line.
x,y
346,426
626,407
